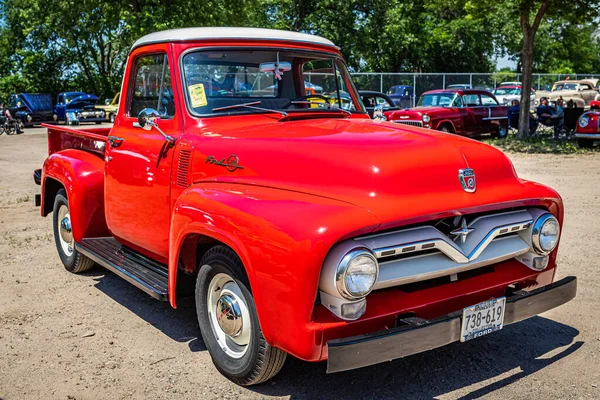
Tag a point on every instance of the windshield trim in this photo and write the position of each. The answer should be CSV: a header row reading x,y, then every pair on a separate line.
x,y
187,100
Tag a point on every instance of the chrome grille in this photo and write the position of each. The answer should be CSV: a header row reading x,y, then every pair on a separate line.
x,y
425,252
409,122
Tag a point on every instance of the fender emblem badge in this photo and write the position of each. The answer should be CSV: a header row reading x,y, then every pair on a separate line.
x,y
467,179
231,162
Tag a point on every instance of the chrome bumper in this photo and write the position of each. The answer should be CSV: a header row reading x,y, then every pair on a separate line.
x,y
588,136
421,335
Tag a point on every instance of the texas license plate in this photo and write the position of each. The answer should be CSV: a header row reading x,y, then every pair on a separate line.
x,y
482,318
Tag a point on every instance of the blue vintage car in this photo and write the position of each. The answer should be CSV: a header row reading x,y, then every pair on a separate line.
x,y
402,95
31,108
76,107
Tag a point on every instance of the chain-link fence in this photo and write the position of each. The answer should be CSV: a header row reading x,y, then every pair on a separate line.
x,y
416,83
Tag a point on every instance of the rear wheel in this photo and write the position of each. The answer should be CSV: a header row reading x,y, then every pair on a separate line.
x,y
229,322
73,260
501,132
585,143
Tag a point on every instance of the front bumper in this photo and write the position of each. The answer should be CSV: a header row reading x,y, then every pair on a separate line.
x,y
594,136
417,335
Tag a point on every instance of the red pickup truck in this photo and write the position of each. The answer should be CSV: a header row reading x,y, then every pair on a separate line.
x,y
466,112
300,225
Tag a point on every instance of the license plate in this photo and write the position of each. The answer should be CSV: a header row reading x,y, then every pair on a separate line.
x,y
482,318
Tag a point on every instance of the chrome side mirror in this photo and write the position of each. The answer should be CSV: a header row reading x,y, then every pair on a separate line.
x,y
148,118
378,113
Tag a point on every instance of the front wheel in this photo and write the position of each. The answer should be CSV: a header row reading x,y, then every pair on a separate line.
x,y
72,259
229,322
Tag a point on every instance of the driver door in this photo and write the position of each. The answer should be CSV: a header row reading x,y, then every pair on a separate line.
x,y
138,170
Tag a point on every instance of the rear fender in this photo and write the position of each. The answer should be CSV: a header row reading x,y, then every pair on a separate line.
x,y
81,174
282,238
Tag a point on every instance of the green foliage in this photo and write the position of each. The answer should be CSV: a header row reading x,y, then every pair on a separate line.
x,y
56,45
539,145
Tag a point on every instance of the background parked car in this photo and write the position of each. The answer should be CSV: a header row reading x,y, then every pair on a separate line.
x,y
76,107
467,112
506,94
459,86
587,130
580,92
31,108
111,107
372,99
402,95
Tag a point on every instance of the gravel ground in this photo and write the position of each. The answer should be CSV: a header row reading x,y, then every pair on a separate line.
x,y
94,336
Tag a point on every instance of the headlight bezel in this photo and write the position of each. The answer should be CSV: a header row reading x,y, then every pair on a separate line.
x,y
426,118
342,271
582,119
536,233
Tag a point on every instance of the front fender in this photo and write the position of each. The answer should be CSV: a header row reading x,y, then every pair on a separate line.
x,y
282,238
82,176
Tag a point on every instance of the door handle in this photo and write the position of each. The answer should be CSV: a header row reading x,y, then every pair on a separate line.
x,y
115,141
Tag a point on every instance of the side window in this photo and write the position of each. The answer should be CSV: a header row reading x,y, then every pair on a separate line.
x,y
488,100
471,100
151,86
61,99
12,102
585,87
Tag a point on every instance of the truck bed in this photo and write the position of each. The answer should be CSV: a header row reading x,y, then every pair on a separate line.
x,y
88,139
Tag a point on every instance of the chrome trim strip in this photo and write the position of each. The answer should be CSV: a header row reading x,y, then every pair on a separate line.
x,y
493,118
588,135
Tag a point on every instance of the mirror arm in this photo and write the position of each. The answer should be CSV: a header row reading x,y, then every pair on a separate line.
x,y
168,138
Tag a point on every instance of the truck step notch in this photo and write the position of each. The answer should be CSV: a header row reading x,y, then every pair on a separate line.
x,y
141,271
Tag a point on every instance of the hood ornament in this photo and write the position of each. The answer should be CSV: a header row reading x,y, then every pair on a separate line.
x,y
467,179
463,231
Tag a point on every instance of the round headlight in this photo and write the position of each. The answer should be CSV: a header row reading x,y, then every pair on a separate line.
x,y
356,274
583,121
426,118
545,234
29,118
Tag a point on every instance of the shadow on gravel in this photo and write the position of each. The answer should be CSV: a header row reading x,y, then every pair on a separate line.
x,y
521,350
179,324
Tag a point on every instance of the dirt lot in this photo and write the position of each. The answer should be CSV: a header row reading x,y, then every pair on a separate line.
x,y
94,336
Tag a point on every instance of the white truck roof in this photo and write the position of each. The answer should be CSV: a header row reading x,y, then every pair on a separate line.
x,y
191,34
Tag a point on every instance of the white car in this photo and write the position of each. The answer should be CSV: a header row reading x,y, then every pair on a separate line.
x,y
506,94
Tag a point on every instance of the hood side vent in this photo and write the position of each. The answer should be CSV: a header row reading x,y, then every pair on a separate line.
x,y
183,168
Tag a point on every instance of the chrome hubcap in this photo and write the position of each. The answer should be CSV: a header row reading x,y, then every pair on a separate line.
x,y
229,315
65,233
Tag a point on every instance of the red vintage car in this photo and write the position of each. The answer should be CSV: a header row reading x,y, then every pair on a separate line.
x,y
299,225
587,130
467,112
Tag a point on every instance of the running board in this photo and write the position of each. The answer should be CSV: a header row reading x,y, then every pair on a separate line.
x,y
146,274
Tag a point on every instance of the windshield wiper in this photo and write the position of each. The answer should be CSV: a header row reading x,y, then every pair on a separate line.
x,y
329,107
251,105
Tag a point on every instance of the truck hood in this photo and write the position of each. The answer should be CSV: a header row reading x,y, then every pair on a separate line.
x,y
386,169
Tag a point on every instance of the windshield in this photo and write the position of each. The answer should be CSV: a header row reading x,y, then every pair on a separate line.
x,y
507,92
564,86
440,99
217,80
69,97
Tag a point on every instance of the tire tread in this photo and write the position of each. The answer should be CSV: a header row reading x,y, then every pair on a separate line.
x,y
270,359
